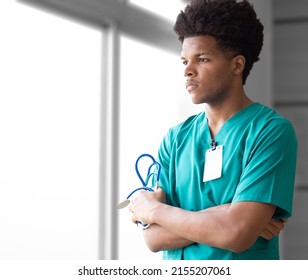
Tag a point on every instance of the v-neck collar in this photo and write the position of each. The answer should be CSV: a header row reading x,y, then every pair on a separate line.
x,y
241,116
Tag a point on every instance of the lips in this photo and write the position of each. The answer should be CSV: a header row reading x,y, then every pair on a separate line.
x,y
191,85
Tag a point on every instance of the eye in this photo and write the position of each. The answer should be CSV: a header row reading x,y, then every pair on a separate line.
x,y
202,59
185,62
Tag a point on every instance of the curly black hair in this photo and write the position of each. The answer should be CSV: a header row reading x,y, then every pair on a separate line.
x,y
234,25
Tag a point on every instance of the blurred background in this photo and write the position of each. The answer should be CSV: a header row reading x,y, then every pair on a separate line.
x,y
88,86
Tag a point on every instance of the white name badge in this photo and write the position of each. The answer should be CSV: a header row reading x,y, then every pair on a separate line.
x,y
213,164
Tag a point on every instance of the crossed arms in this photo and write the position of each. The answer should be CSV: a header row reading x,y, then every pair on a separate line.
x,y
233,227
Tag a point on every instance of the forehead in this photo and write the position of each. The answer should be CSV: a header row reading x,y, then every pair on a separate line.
x,y
200,44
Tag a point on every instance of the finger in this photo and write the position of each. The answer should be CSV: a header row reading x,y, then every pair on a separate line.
x,y
274,228
134,219
131,207
279,225
266,234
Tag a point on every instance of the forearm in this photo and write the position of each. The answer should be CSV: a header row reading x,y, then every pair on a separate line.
x,y
186,227
198,227
158,238
232,228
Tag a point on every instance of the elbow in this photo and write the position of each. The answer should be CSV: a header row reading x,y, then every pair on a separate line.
x,y
153,248
152,243
239,241
238,248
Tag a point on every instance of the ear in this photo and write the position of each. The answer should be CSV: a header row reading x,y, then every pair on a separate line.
x,y
238,64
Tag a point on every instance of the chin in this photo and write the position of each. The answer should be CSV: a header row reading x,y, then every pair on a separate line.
x,y
197,101
198,98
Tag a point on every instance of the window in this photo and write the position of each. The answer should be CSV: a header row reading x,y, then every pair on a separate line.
x,y
168,9
49,144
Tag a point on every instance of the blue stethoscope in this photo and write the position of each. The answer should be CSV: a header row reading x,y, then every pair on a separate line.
x,y
153,174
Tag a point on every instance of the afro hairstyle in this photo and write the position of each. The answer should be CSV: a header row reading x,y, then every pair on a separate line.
x,y
233,24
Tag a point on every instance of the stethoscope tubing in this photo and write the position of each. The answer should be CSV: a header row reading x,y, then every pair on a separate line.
x,y
155,163
139,189
145,182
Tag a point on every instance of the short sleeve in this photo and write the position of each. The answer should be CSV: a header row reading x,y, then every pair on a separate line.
x,y
269,173
163,159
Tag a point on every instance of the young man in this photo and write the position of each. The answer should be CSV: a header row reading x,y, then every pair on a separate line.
x,y
227,175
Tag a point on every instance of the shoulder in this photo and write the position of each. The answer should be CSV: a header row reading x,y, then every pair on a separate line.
x,y
267,114
182,128
270,122
178,132
270,133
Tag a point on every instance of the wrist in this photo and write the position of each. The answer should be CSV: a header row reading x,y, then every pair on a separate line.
x,y
154,214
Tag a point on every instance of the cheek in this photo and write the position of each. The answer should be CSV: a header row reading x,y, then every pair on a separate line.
x,y
211,79
216,82
216,76
222,76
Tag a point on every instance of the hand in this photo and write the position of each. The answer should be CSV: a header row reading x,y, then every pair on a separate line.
x,y
273,228
144,204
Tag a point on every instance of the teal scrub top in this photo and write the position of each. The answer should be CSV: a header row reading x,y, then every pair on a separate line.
x,y
258,164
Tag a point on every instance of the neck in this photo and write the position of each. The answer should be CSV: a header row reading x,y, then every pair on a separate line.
x,y
218,114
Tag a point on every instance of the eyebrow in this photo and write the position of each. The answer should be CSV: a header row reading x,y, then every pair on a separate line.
x,y
198,55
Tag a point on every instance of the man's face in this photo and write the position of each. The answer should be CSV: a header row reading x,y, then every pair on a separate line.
x,y
208,71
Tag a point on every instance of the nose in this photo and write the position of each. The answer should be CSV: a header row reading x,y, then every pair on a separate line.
x,y
189,71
